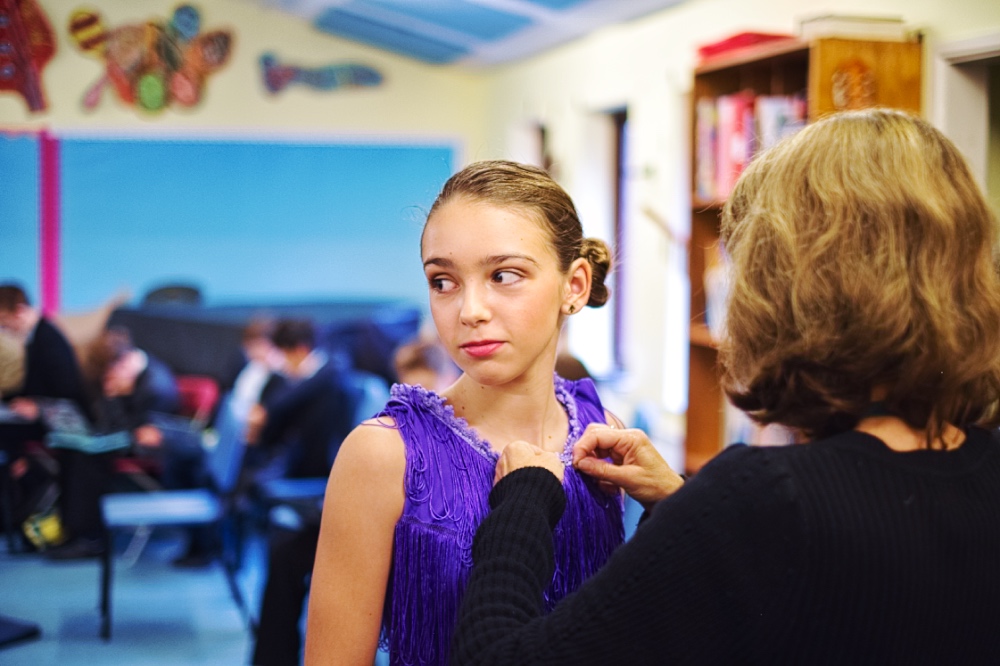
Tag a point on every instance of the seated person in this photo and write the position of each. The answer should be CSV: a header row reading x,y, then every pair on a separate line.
x,y
259,377
51,369
134,392
303,425
424,363
48,369
11,364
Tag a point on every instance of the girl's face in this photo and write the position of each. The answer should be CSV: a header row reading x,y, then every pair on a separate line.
x,y
496,291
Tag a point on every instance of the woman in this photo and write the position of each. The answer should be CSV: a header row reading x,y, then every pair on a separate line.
x,y
865,313
506,263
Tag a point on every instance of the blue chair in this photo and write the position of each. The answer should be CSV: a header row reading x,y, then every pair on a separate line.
x,y
212,506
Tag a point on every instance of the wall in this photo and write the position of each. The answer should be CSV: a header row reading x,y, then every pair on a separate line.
x,y
646,66
126,228
415,100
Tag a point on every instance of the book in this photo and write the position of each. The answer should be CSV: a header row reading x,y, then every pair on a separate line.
x,y
705,148
734,140
738,42
776,117
879,28
115,441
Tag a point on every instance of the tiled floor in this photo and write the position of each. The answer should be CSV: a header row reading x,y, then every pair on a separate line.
x,y
161,614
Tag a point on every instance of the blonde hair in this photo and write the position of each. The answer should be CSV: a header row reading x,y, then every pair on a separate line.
x,y
864,259
510,184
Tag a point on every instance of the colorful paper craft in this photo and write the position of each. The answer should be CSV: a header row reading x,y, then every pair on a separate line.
x,y
155,64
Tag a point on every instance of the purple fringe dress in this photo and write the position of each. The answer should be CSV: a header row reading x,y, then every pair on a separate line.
x,y
449,475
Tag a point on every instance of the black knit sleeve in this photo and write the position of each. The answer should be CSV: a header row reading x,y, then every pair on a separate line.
x,y
690,586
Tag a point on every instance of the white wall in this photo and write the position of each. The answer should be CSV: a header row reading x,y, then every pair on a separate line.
x,y
646,66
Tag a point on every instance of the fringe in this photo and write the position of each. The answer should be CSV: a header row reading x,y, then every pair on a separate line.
x,y
449,474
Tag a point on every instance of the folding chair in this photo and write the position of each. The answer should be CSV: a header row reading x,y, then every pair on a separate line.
x,y
181,508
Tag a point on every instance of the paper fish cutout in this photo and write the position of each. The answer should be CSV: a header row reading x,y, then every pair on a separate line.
x,y
27,43
277,77
154,64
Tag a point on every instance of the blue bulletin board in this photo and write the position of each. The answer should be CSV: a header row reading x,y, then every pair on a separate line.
x,y
244,220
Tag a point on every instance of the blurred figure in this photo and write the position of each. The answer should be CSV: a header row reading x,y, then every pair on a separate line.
x,y
51,369
303,425
259,377
135,393
11,364
425,363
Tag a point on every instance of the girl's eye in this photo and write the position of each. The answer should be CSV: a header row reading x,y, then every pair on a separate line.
x,y
440,284
506,277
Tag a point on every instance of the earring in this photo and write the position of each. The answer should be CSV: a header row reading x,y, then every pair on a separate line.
x,y
572,309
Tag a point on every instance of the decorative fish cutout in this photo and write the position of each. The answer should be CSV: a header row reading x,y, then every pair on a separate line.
x,y
277,77
154,64
27,43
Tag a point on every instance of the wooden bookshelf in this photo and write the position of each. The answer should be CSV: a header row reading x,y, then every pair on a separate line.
x,y
891,76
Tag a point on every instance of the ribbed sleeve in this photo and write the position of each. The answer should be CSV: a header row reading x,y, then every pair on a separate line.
x,y
836,552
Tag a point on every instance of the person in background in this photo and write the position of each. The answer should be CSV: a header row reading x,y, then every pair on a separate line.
x,y
134,390
506,265
259,376
865,314
313,408
11,364
51,369
304,424
425,363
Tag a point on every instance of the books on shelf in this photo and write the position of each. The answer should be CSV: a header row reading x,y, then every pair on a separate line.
x,y
880,28
730,129
734,133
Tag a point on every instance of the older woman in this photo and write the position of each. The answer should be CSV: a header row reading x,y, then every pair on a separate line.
x,y
865,314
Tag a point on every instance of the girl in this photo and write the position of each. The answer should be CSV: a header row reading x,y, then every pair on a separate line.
x,y
506,263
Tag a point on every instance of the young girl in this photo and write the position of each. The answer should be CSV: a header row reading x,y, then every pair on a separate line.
x,y
506,263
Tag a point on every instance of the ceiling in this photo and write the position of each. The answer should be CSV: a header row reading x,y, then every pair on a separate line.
x,y
468,32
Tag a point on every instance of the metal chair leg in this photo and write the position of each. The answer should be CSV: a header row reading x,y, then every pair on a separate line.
x,y
106,587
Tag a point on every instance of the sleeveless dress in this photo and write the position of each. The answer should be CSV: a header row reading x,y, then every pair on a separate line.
x,y
448,479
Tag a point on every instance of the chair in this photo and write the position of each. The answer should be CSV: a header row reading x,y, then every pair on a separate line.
x,y
181,508
199,395
173,294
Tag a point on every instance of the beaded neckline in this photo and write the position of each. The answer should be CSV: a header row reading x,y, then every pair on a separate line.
x,y
437,405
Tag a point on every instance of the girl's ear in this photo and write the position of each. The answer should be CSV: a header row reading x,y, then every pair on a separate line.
x,y
577,286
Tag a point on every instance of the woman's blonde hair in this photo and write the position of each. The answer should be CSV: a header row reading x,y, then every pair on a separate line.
x,y
864,262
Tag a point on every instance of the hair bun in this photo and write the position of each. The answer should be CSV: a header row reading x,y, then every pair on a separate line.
x,y
597,252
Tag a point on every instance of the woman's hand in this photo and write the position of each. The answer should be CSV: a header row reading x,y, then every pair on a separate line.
x,y
520,454
636,466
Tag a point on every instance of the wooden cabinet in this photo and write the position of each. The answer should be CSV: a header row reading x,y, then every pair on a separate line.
x,y
831,74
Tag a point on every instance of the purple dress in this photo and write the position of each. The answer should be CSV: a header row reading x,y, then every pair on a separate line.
x,y
449,475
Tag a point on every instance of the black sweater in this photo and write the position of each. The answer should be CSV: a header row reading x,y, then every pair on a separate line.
x,y
836,552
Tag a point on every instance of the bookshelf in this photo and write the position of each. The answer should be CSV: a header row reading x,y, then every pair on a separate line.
x,y
826,75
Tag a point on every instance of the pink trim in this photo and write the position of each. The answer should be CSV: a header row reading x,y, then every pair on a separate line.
x,y
48,148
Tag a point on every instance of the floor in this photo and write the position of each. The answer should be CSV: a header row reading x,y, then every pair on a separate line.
x,y
161,614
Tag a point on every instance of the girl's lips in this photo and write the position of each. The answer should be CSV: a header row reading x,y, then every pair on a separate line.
x,y
481,349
